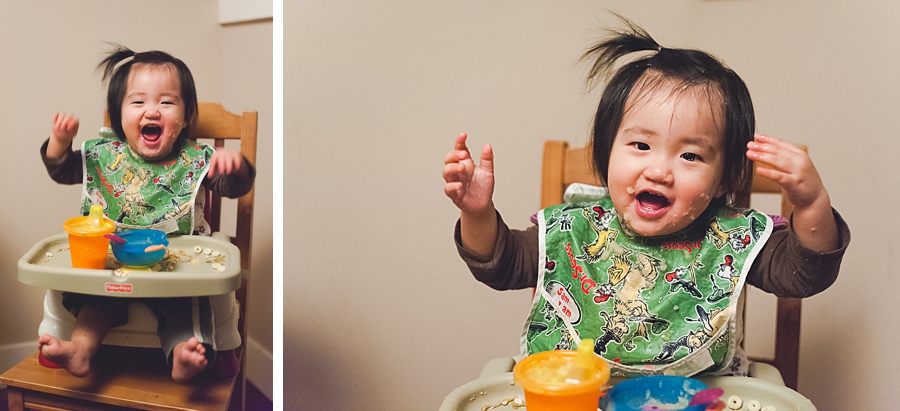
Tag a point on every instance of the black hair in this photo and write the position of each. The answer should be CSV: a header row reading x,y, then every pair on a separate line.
x,y
693,70
117,72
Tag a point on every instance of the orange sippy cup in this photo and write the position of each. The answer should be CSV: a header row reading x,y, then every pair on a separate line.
x,y
562,380
87,243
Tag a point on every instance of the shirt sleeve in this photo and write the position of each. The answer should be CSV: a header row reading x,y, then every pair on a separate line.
x,y
513,265
67,169
784,267
787,269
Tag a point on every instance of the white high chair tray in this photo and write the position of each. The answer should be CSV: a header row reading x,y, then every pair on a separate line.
x,y
49,265
498,392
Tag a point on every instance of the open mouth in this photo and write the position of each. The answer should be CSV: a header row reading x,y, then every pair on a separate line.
x,y
151,132
650,203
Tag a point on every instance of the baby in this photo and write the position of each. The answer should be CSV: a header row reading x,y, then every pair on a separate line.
x,y
652,271
147,173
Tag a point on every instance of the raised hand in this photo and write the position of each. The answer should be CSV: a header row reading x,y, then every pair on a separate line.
x,y
65,127
469,186
63,131
792,169
225,161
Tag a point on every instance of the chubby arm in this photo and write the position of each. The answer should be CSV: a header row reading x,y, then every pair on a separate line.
x,y
813,221
471,188
67,169
514,263
787,269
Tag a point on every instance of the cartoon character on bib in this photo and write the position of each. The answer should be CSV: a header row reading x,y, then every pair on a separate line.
x,y
651,305
136,193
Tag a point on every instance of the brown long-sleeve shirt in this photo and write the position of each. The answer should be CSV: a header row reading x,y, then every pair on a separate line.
x,y
69,169
784,267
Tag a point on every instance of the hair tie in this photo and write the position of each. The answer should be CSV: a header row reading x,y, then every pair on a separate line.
x,y
125,60
659,49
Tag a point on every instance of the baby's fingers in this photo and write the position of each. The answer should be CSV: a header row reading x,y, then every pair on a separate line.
x,y
456,157
773,174
64,128
460,143
453,190
227,166
771,145
63,122
487,158
216,165
453,172
225,161
776,153
789,166
765,160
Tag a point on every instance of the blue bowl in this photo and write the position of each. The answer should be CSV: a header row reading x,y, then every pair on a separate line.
x,y
132,252
658,392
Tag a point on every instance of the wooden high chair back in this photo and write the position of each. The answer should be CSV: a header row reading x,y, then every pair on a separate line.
x,y
138,378
563,166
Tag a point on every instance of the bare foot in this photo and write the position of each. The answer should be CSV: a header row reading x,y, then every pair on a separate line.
x,y
70,355
188,359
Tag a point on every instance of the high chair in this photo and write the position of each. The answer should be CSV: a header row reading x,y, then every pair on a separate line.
x,y
563,166
125,377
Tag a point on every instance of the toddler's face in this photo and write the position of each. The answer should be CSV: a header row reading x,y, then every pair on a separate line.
x,y
152,111
666,161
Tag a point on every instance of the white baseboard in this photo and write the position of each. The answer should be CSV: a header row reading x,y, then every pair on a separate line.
x,y
12,354
259,367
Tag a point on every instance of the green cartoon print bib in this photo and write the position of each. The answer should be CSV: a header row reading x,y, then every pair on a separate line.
x,y
135,193
651,306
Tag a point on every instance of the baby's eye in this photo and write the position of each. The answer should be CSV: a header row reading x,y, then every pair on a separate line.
x,y
167,102
690,157
641,146
137,102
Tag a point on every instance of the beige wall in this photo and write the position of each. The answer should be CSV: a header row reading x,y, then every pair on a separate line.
x,y
246,83
49,50
380,313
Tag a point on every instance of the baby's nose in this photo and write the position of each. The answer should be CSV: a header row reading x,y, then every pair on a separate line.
x,y
658,173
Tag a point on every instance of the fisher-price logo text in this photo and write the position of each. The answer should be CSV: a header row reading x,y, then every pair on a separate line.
x,y
118,288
